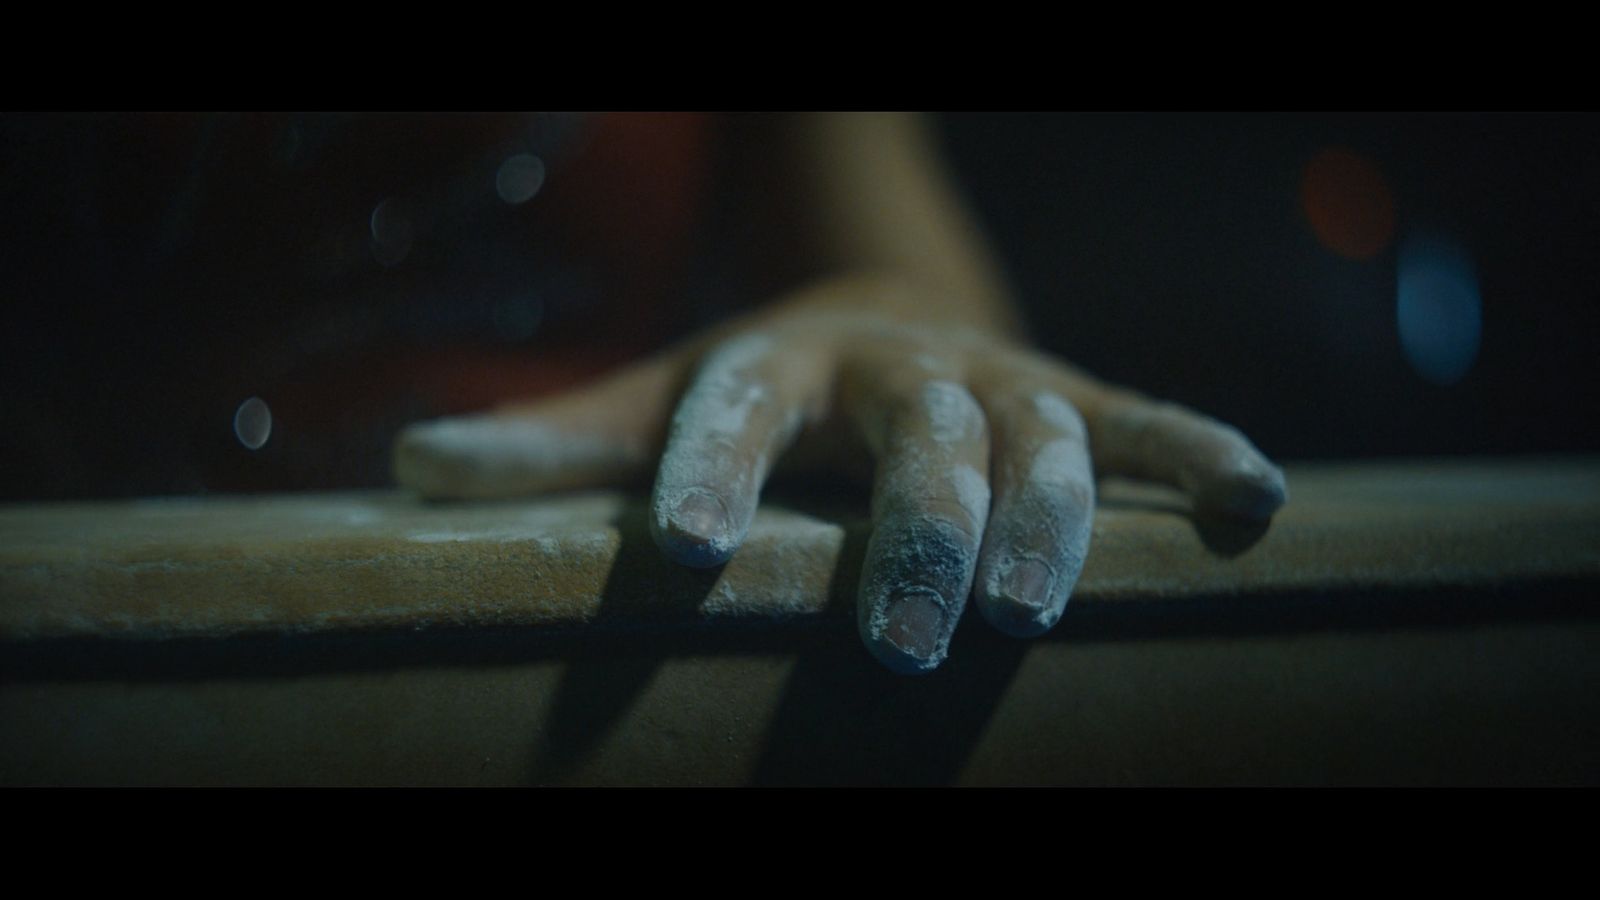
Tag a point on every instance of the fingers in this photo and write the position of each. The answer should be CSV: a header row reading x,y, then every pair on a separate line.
x,y
599,436
1221,471
744,406
929,506
1038,532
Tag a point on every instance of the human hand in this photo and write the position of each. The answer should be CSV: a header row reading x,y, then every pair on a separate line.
x,y
985,455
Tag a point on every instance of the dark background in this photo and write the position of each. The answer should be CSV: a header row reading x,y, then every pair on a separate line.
x,y
1172,252
144,284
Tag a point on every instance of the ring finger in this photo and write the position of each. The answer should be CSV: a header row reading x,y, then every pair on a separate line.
x,y
1038,534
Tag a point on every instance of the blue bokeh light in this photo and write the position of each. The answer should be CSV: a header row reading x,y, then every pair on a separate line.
x,y
1439,310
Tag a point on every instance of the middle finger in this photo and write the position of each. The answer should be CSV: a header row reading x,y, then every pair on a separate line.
x,y
930,501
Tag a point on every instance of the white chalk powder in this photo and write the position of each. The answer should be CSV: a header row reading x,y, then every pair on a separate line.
x,y
741,352
724,393
1060,462
972,492
488,456
719,402
952,413
707,443
508,443
1058,413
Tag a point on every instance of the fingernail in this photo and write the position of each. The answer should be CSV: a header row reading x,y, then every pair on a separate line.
x,y
1028,584
1018,597
696,531
915,625
700,513
1256,495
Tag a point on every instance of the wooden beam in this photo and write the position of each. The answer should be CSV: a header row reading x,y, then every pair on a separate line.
x,y
1400,623
217,566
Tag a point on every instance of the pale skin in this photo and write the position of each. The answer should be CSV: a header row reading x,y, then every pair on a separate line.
x,y
902,357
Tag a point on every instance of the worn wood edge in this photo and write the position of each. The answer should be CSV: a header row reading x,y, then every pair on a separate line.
x,y
1408,524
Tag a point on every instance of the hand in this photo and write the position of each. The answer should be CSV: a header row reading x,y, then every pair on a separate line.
x,y
985,455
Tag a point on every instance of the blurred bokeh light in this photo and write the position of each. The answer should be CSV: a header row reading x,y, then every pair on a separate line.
x,y
519,178
252,423
1438,307
391,232
1348,203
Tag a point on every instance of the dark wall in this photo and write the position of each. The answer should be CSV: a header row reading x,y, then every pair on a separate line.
x,y
155,270
1175,253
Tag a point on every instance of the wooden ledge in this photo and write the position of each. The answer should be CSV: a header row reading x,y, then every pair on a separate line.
x,y
216,566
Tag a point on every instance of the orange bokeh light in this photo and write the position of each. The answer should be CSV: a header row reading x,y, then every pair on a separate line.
x,y
1348,203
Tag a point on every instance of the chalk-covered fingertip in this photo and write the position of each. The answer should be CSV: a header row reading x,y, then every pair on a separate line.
x,y
1016,597
423,462
909,632
694,528
1254,492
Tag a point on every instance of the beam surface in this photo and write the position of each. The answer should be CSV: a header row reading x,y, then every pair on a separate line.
x,y
1427,622
217,566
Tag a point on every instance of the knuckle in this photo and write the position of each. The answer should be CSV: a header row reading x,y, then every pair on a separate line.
x,y
1058,414
1060,464
1075,496
737,354
944,409
930,547
961,502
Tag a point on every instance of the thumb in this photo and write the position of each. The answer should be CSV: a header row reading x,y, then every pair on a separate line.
x,y
606,434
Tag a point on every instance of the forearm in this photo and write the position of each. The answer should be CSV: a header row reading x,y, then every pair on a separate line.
x,y
868,193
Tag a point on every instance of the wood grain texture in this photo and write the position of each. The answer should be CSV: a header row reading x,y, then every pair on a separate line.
x,y
221,566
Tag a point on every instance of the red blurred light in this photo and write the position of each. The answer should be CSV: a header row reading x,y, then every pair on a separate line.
x,y
1348,203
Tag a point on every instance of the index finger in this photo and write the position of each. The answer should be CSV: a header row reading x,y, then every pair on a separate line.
x,y
743,408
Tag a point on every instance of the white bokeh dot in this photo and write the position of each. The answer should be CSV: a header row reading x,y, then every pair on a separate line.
x,y
252,423
519,178
392,232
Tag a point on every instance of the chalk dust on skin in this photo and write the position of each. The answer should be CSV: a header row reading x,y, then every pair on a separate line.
x,y
917,471
917,575
921,557
953,415
494,456
1040,534
1058,413
1041,543
705,494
